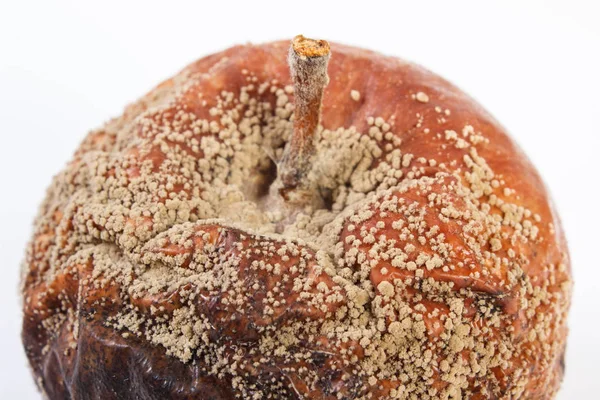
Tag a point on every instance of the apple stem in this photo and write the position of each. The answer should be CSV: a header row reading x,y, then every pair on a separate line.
x,y
308,59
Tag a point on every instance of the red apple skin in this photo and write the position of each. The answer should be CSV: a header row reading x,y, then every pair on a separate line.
x,y
100,363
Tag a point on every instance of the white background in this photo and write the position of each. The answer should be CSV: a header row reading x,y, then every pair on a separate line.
x,y
65,67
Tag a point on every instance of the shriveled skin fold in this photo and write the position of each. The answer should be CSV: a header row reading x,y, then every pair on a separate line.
x,y
436,268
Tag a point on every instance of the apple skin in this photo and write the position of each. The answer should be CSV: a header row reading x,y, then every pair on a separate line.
x,y
101,363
